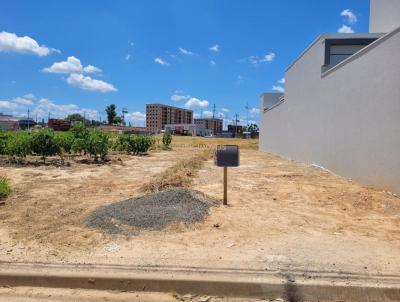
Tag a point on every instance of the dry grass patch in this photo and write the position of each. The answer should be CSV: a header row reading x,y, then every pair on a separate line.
x,y
179,175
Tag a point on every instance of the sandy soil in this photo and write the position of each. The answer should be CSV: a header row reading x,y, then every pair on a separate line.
x,y
32,294
282,215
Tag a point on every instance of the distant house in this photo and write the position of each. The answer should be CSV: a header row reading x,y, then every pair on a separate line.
x,y
237,129
187,129
341,106
8,122
59,124
213,124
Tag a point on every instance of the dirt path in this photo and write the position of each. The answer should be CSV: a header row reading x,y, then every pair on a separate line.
x,y
281,215
32,294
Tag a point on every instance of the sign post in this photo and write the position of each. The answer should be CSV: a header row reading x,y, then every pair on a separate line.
x,y
225,186
226,156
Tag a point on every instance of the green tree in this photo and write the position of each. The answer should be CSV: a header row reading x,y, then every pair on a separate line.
x,y
18,144
111,111
97,144
118,120
167,139
81,134
43,143
64,141
74,117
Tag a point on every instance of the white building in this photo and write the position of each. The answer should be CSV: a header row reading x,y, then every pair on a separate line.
x,y
341,106
188,129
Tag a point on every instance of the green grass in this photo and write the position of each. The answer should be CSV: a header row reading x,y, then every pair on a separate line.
x,y
5,188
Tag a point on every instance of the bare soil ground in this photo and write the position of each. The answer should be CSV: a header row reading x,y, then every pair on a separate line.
x,y
32,294
282,215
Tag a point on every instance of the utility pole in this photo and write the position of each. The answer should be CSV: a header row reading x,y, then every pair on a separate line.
x,y
247,113
124,110
28,119
236,123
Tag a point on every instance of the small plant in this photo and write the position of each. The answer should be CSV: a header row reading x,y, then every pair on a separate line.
x,y
3,142
134,144
5,188
43,143
18,145
81,136
64,141
167,139
97,144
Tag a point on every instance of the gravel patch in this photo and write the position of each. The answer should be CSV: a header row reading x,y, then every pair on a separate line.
x,y
152,212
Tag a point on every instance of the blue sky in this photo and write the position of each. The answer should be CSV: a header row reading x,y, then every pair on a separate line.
x,y
79,56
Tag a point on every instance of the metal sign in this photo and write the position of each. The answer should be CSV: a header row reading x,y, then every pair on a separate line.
x,y
226,156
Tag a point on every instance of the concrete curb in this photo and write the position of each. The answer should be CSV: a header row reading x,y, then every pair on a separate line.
x,y
293,285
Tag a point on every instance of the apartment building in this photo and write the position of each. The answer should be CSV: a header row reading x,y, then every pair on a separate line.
x,y
213,124
341,105
159,115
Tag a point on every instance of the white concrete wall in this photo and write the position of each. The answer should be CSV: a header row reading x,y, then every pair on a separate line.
x,y
347,121
384,16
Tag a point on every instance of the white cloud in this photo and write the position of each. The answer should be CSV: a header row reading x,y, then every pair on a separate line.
x,y
269,57
214,48
350,16
23,101
87,83
136,118
196,103
282,81
29,96
225,109
10,42
161,61
179,97
345,30
128,57
10,105
185,51
212,62
46,106
18,103
278,88
71,65
91,69
18,107
254,111
207,114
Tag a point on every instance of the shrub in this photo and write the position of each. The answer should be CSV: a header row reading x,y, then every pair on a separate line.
x,y
121,143
167,139
18,145
134,144
64,141
81,135
139,144
43,143
5,189
3,142
97,144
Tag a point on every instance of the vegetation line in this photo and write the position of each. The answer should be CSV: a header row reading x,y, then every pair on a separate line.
x,y
179,175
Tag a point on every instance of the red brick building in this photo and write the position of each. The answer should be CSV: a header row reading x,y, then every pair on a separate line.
x,y
214,124
159,115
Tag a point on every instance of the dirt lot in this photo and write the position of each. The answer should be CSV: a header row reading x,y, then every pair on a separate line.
x,y
32,294
281,215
